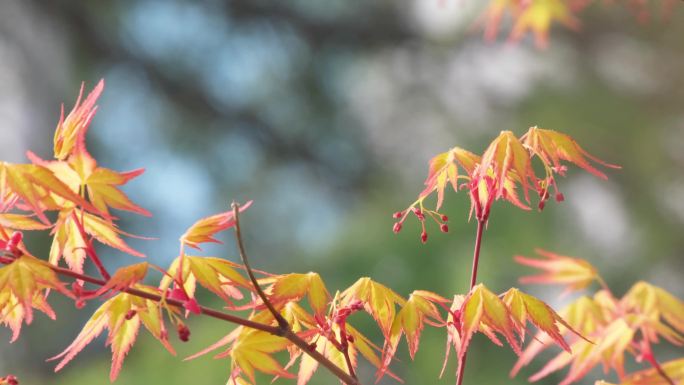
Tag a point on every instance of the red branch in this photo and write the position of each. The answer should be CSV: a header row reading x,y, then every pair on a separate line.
x,y
473,280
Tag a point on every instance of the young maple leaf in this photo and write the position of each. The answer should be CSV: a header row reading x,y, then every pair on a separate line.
x,y
215,274
124,278
674,370
68,242
72,129
252,351
585,315
552,147
654,305
378,300
444,169
505,163
122,316
537,16
22,286
608,348
576,274
81,173
293,287
37,188
524,307
204,229
21,222
484,311
418,309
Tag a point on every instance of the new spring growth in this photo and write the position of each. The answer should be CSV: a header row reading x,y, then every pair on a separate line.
x,y
420,214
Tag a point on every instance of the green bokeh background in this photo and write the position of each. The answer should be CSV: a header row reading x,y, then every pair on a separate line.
x,y
326,113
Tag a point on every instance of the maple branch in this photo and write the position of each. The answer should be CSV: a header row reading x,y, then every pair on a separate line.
x,y
282,322
284,328
347,359
277,331
660,370
473,280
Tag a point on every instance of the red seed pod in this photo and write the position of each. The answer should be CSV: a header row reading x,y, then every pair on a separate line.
x,y
560,197
11,380
541,205
398,214
423,237
397,227
445,218
444,227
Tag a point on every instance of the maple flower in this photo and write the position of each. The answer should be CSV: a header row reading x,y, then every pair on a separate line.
x,y
72,129
553,147
443,171
574,273
505,165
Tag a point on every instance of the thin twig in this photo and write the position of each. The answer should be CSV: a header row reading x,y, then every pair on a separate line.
x,y
274,330
473,280
282,322
347,359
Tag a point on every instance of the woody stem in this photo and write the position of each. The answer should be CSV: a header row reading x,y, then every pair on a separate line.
x,y
275,330
473,280
282,322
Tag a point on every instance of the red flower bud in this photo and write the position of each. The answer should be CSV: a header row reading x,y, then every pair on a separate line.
x,y
183,332
444,227
423,237
131,313
560,197
398,214
445,218
397,227
541,205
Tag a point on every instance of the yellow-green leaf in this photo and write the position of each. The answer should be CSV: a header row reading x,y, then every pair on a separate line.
x,y
292,287
379,301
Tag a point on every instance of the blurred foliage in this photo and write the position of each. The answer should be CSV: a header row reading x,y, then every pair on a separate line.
x,y
325,113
